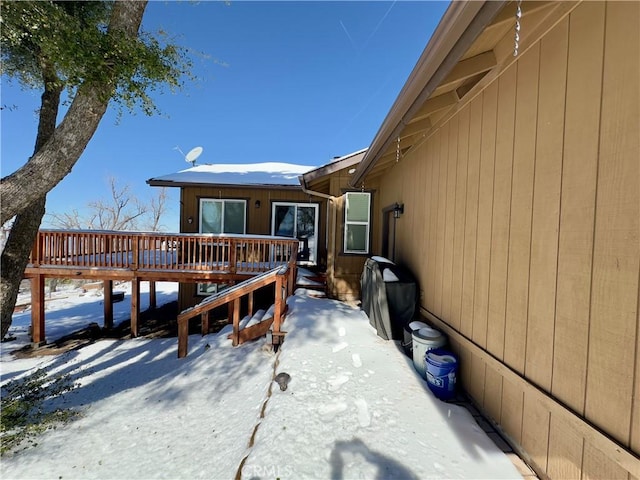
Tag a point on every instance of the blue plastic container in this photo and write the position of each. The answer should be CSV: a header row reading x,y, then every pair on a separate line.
x,y
442,366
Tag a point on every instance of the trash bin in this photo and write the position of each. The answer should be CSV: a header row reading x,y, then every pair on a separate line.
x,y
442,366
424,340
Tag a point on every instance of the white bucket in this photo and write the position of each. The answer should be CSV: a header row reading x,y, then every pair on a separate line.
x,y
425,339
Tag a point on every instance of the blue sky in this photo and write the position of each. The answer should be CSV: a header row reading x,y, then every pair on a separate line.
x,y
296,82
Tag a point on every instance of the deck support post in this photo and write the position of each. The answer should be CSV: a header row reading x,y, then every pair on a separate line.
x,y
135,306
37,311
108,304
152,295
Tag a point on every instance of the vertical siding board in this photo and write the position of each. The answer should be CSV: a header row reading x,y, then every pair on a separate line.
x,y
485,211
493,394
512,410
426,225
411,216
447,273
434,151
460,214
597,466
420,226
471,220
580,163
476,383
521,206
442,208
565,450
546,205
501,212
635,413
535,430
614,299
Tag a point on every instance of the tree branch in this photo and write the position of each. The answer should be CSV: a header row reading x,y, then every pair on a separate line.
x,y
55,159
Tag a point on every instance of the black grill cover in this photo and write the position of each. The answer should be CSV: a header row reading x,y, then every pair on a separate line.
x,y
389,305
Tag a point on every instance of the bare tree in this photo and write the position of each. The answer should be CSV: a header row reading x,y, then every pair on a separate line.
x,y
157,208
121,211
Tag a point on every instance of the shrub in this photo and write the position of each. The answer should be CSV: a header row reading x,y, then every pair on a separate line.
x,y
23,412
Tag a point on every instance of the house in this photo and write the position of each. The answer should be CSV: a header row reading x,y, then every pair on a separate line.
x,y
513,154
247,199
350,239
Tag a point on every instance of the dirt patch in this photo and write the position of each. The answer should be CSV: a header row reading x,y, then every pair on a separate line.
x,y
158,323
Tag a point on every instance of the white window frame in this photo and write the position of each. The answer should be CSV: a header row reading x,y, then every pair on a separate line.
x,y
347,222
223,202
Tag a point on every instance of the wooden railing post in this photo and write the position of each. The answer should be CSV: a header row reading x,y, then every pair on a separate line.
x,y
233,255
279,310
36,252
135,252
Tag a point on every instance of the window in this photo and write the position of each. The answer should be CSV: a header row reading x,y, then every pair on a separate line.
x,y
222,216
210,288
357,218
297,220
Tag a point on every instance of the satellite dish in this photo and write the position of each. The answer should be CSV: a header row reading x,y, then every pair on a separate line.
x,y
193,155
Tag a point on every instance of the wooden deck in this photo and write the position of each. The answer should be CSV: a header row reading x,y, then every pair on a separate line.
x,y
152,257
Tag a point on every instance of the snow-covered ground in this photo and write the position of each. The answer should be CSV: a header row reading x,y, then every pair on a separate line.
x,y
354,407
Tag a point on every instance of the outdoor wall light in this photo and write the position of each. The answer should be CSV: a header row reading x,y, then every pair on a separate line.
x,y
398,210
257,203
190,220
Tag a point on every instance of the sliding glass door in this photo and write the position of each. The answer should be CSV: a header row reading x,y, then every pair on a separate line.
x,y
297,220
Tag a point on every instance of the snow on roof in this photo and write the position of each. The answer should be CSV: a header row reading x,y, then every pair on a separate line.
x,y
267,173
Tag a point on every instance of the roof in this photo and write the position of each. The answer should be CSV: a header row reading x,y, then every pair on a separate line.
x,y
335,165
471,45
257,175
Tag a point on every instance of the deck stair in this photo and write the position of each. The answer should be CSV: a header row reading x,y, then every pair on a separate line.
x,y
315,284
253,325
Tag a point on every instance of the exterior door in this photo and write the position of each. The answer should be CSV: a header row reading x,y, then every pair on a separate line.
x,y
297,220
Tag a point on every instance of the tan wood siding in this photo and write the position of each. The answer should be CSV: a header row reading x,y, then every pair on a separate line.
x,y
524,233
613,332
501,213
546,205
580,163
343,275
521,204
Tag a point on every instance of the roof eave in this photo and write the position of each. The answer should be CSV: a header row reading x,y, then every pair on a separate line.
x,y
458,28
333,167
259,186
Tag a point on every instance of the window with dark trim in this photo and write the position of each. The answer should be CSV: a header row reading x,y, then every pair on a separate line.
x,y
223,216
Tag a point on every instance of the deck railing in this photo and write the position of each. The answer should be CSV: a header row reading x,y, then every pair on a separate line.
x,y
174,252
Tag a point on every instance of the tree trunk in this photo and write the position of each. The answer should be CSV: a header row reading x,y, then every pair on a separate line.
x,y
15,257
23,193
51,163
